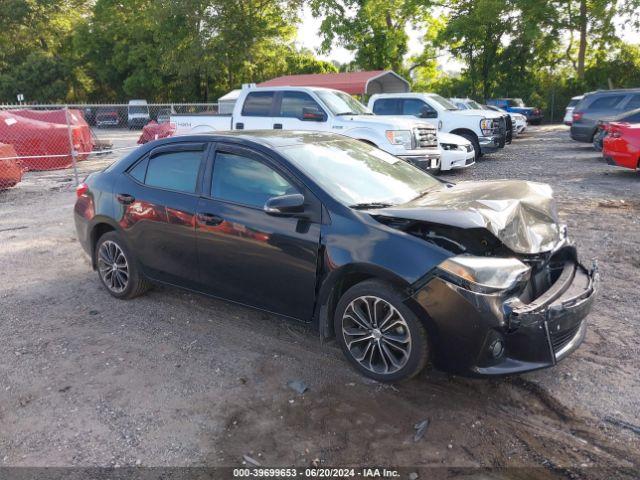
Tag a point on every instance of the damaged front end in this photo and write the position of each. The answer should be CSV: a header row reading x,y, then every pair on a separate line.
x,y
513,296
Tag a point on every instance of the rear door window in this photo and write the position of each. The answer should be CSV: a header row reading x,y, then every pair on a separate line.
x,y
174,171
633,103
258,104
386,106
634,118
606,102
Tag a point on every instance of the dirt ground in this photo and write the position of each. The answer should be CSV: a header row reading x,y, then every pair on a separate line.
x,y
177,379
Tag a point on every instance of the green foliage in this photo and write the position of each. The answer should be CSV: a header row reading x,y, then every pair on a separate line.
x,y
161,50
373,29
544,51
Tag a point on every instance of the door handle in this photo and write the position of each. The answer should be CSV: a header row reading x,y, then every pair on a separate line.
x,y
210,219
277,126
239,126
125,198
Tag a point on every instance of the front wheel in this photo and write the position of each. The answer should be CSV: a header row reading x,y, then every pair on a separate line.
x,y
379,334
117,269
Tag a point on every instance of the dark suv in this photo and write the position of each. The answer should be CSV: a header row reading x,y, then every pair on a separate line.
x,y
597,105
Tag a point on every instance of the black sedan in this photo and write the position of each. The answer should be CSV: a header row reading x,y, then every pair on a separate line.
x,y
401,268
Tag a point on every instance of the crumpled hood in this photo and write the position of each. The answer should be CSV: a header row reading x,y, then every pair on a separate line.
x,y
521,214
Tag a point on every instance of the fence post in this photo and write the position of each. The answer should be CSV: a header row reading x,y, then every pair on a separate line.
x,y
73,151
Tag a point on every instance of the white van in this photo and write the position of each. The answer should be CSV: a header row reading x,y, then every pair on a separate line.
x,y
137,114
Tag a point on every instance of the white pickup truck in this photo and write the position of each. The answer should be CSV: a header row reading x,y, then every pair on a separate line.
x,y
485,130
321,109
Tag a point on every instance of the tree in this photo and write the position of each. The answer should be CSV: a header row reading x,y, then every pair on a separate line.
x,y
36,56
375,30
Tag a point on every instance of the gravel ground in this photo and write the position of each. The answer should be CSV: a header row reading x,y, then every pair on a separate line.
x,y
177,379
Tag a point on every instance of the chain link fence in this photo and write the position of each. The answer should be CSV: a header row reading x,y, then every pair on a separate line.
x,y
79,138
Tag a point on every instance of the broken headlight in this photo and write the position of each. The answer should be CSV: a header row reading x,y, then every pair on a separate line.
x,y
485,272
451,146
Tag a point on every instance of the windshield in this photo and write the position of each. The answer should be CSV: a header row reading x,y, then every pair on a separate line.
x,y
443,101
516,102
138,109
475,105
340,103
356,173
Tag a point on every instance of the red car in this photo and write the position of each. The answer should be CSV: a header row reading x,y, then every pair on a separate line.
x,y
621,146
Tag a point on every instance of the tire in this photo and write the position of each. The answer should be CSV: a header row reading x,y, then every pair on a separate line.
x,y
376,356
125,281
474,141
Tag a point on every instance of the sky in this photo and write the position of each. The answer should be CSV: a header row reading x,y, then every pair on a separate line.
x,y
309,37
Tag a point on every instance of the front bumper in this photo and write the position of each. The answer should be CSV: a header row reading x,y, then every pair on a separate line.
x,y
455,159
490,144
582,133
466,326
428,162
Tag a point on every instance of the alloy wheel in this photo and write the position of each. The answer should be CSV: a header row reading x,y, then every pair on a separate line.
x,y
376,335
113,266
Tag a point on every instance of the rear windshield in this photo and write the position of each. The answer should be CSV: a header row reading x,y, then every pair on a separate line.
x,y
573,102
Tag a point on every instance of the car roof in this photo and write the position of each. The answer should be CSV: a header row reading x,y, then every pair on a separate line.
x,y
271,139
267,138
296,88
613,91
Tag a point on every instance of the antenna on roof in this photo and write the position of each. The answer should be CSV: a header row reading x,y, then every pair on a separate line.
x,y
248,85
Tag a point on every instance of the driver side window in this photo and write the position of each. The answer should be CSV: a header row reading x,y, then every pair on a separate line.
x,y
243,180
415,107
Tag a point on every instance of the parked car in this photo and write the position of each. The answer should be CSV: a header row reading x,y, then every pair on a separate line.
x,y
456,152
402,268
89,114
600,104
516,105
484,130
518,121
321,109
568,112
470,104
137,114
621,145
107,117
632,116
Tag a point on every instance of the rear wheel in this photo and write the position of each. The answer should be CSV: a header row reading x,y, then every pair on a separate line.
x,y
117,268
379,334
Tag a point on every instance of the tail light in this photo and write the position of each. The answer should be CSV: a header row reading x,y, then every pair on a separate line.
x,y
577,116
82,189
615,134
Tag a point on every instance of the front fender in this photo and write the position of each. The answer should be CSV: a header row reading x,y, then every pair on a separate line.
x,y
367,134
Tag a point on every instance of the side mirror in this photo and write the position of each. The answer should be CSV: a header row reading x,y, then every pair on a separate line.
x,y
312,115
285,205
428,113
